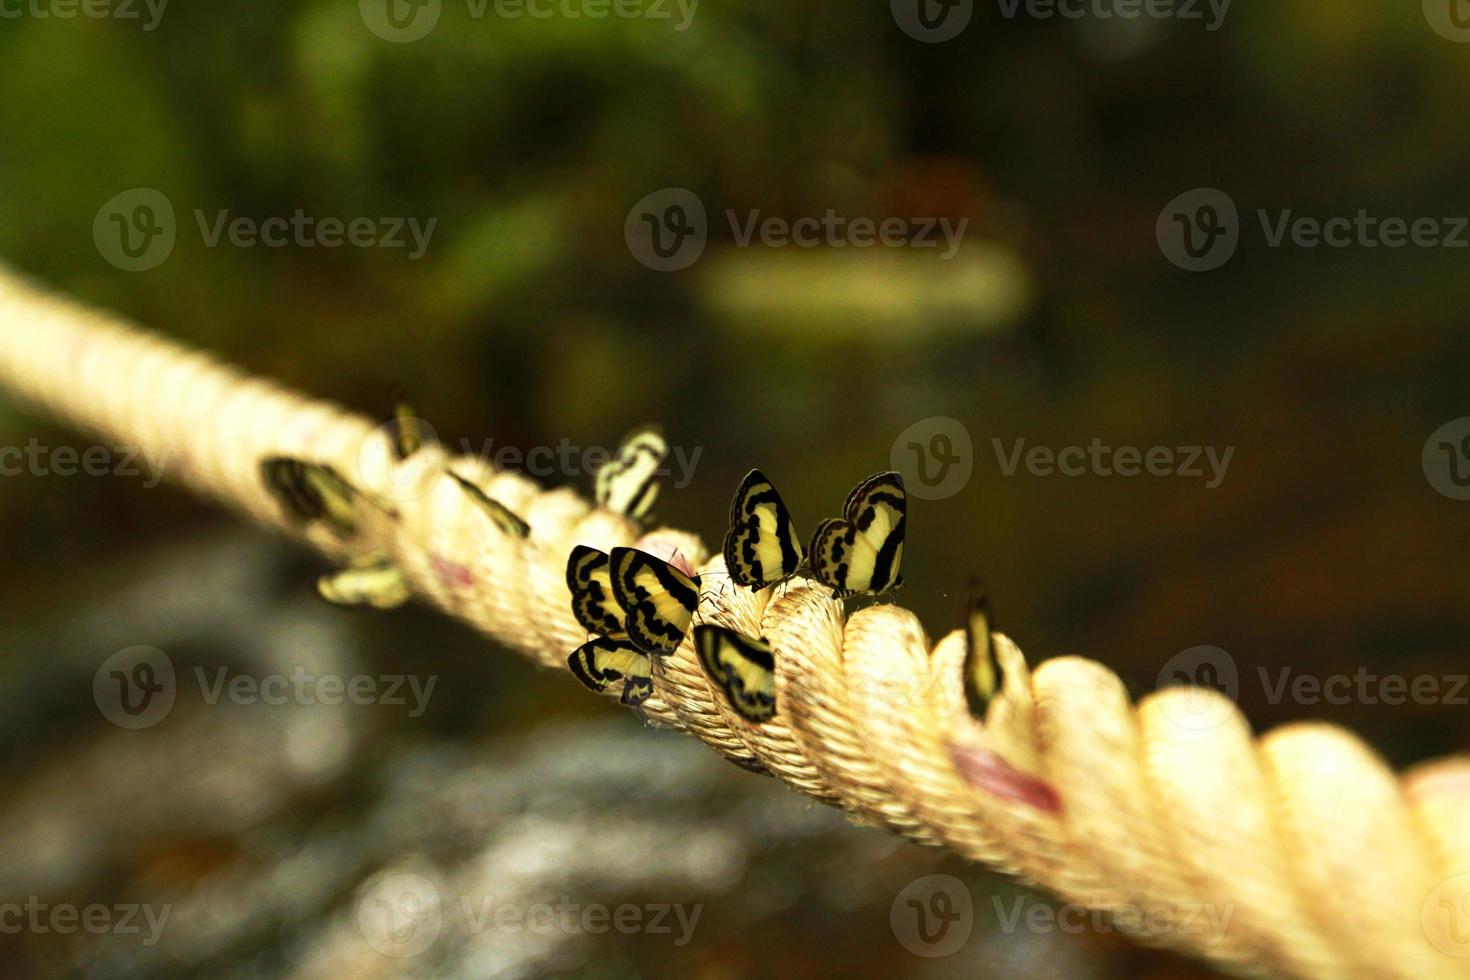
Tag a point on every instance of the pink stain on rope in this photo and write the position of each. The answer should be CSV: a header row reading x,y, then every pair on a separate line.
x,y
452,574
985,770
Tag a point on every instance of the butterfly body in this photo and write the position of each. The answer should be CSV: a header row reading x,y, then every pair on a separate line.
x,y
509,522
628,483
742,666
761,547
861,551
659,600
983,675
605,659
312,492
375,581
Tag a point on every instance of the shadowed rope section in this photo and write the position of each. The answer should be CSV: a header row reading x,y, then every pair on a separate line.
x,y
1299,854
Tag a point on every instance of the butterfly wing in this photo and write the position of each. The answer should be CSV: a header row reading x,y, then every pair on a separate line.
x,y
379,583
312,492
589,577
761,546
628,483
744,669
659,599
601,661
404,425
984,677
507,520
862,551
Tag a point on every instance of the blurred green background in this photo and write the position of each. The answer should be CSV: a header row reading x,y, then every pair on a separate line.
x,y
528,320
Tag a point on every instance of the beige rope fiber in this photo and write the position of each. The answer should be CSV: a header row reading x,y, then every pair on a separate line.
x,y
1298,854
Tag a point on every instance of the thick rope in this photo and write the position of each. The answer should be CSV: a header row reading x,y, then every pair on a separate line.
x,y
1297,854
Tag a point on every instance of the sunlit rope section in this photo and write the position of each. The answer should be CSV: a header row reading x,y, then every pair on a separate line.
x,y
1296,854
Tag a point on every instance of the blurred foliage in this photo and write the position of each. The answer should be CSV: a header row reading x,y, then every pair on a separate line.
x,y
528,321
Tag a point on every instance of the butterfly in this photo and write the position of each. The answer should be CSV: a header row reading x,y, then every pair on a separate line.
x,y
373,581
761,547
604,659
500,515
659,600
315,492
628,483
589,577
744,668
405,427
609,656
861,551
984,676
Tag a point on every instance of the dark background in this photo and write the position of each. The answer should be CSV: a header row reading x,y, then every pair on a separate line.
x,y
1325,549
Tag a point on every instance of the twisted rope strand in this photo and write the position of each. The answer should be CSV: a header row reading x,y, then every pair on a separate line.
x,y
1299,854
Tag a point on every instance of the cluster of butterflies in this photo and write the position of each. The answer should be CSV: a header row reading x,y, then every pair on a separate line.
x,y
638,607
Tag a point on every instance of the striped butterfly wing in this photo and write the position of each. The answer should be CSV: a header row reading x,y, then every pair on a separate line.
x,y
601,661
761,547
862,551
660,600
508,521
744,669
589,577
378,583
628,483
312,492
984,677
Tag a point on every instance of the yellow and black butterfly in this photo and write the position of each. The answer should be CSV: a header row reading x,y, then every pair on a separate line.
x,y
984,676
507,520
861,551
604,659
405,427
628,483
314,492
609,656
372,581
589,577
761,547
659,600
744,668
